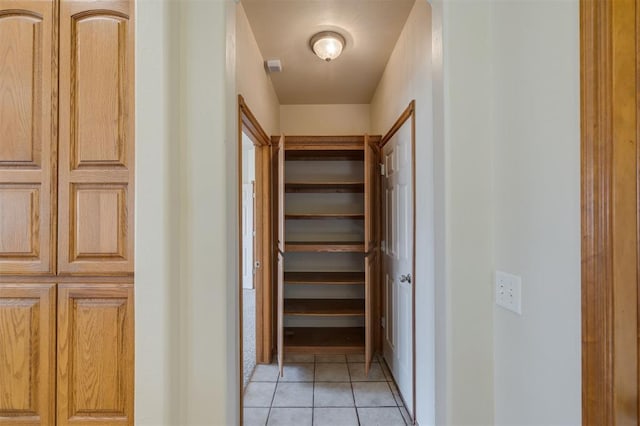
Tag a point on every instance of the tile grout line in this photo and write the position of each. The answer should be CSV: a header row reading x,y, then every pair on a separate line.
x,y
353,394
274,396
396,399
313,391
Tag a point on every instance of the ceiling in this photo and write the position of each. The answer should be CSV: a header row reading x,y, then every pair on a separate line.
x,y
283,28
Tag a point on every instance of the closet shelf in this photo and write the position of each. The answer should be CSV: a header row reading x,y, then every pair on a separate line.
x,y
325,155
294,216
324,339
324,307
324,246
330,278
324,187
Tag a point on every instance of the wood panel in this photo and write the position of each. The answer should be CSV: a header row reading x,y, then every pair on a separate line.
x,y
27,354
609,110
324,307
323,143
324,340
325,246
370,312
280,255
95,355
27,130
325,187
325,278
307,216
308,155
96,137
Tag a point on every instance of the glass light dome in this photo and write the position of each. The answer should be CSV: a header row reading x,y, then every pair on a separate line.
x,y
327,45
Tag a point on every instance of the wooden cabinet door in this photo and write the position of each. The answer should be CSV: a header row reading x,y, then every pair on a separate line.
x,y
27,354
95,354
27,109
370,244
96,137
280,255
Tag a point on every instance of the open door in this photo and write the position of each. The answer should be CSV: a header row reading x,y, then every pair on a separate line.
x,y
280,254
370,247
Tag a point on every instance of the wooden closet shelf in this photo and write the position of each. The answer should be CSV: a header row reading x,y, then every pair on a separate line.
x,y
321,155
324,187
324,339
324,246
334,278
324,307
294,216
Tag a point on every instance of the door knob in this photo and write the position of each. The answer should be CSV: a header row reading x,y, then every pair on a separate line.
x,y
405,278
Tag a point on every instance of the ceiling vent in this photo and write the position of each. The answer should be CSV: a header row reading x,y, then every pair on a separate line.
x,y
273,66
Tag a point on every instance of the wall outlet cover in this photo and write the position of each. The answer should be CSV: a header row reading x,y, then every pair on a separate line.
x,y
509,292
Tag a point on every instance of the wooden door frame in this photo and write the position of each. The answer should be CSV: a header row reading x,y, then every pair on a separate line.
x,y
609,155
408,114
248,124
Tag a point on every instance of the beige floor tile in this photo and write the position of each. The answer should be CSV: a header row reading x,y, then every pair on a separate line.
x,y
297,373
255,416
331,358
356,370
380,417
265,373
290,417
332,372
293,395
259,394
332,395
335,417
373,394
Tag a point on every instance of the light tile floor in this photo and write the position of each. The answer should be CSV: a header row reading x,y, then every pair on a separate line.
x,y
322,390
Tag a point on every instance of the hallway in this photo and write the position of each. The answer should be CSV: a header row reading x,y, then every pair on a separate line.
x,y
323,390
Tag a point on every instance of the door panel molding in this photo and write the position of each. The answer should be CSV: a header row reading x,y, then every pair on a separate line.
x,y
28,120
27,351
96,144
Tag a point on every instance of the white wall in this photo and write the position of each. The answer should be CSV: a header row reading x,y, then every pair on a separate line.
x,y
252,81
408,76
344,119
537,210
453,201
186,341
157,388
467,222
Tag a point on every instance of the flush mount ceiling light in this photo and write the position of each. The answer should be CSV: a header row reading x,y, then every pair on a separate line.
x,y
327,45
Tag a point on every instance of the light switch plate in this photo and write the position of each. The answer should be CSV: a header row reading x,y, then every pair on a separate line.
x,y
509,291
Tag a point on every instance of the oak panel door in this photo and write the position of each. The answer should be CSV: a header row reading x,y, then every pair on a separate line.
x,y
27,139
370,247
280,254
95,355
27,354
96,137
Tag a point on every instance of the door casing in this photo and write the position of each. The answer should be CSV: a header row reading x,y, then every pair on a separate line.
x,y
609,181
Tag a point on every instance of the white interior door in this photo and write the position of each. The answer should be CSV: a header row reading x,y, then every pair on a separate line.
x,y
248,233
397,259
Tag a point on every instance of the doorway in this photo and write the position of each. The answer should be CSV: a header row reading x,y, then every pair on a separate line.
x,y
255,238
